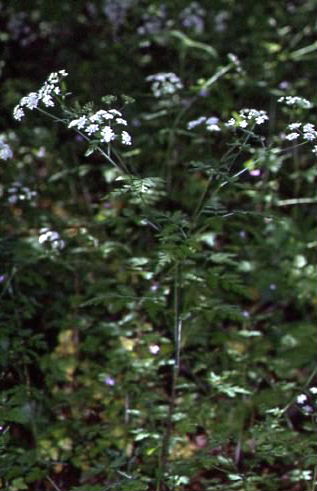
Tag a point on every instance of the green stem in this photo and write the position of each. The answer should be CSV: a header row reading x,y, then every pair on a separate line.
x,y
199,207
176,366
314,481
53,483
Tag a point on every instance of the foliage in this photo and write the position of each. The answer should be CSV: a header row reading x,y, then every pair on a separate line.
x,y
158,267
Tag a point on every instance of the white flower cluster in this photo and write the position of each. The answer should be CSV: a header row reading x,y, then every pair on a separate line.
x,y
18,192
211,123
45,94
247,117
221,20
235,60
103,125
192,17
306,402
243,119
5,150
53,238
116,11
164,84
296,101
154,21
306,131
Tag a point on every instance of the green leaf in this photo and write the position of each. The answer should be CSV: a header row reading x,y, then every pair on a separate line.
x,y
189,43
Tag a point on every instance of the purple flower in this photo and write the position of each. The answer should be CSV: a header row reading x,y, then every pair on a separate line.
x,y
204,92
109,381
255,172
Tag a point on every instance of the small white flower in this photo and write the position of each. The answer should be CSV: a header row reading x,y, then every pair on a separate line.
x,y
47,235
100,116
95,118
44,95
47,100
107,114
231,122
53,78
92,128
259,117
63,73
213,127
44,235
196,122
42,238
248,115
310,136
17,192
212,120
314,150
309,128
154,349
79,123
243,123
313,390
212,124
18,113
58,244
30,101
301,399
121,121
126,138
292,136
164,84
115,112
294,126
5,151
310,133
296,101
107,134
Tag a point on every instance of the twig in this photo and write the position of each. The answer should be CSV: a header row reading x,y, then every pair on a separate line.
x,y
53,483
296,201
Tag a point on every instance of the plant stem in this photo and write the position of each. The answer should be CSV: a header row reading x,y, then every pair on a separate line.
x,y
53,483
199,208
177,340
314,481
